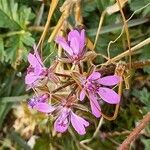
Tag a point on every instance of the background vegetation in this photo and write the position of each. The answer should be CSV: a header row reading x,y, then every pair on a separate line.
x,y
21,25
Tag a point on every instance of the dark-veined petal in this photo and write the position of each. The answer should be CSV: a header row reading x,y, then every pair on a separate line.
x,y
95,107
79,123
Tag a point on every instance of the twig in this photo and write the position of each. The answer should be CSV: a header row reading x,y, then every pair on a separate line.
x,y
135,133
107,70
112,134
126,53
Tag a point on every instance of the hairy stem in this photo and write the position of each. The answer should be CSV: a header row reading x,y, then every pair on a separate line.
x,y
135,133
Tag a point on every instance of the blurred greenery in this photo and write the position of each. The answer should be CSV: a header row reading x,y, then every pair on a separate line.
x,y
17,18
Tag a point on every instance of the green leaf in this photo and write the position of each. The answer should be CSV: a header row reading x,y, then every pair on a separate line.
x,y
143,96
146,143
16,49
27,39
11,17
118,26
14,136
2,52
13,99
136,4
4,109
8,14
42,143
145,55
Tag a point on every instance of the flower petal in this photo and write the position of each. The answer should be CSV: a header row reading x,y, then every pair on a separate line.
x,y
73,34
94,76
33,60
110,80
62,42
30,78
108,95
38,57
44,107
82,39
95,107
79,123
82,95
61,124
75,45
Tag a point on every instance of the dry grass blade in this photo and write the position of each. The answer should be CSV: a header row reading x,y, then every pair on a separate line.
x,y
114,8
65,9
51,11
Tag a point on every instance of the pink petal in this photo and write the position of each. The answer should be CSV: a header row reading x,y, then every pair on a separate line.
x,y
74,44
44,107
38,70
95,107
38,57
94,76
30,78
33,60
79,123
82,95
61,124
73,34
82,39
110,80
108,95
62,42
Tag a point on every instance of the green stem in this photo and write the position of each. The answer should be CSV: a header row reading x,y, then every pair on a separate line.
x,y
11,33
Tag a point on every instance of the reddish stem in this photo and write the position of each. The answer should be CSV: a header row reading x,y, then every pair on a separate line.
x,y
135,133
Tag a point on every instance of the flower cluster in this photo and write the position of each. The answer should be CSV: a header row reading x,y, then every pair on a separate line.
x,y
62,99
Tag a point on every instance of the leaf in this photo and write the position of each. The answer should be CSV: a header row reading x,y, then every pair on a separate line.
x,y
11,17
136,4
118,26
145,55
143,96
4,109
42,143
14,136
2,52
88,7
16,49
146,143
13,99
27,39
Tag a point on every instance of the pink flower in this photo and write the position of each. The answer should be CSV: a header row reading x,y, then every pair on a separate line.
x,y
94,85
65,117
64,113
36,71
40,103
74,46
